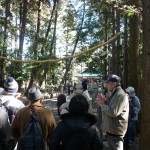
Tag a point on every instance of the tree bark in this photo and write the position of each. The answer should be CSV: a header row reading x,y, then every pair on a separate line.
x,y
134,51
7,25
37,28
49,27
125,84
53,43
6,30
33,73
106,47
114,42
23,18
74,49
118,49
145,117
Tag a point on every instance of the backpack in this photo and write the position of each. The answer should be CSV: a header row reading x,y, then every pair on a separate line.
x,y
131,108
32,138
80,140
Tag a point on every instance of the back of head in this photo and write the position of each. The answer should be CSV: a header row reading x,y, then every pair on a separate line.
x,y
79,88
61,99
34,94
10,85
78,105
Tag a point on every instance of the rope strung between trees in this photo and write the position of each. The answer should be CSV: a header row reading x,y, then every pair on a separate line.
x,y
64,58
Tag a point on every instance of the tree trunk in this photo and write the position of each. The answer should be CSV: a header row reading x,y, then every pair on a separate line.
x,y
113,70
118,52
134,51
53,43
37,28
74,49
23,14
22,26
31,81
7,24
106,47
49,27
145,117
35,45
125,82
16,37
6,30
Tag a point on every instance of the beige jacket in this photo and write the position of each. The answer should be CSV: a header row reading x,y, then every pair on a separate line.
x,y
116,113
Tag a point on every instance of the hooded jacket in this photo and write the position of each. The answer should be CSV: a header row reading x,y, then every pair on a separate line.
x,y
71,124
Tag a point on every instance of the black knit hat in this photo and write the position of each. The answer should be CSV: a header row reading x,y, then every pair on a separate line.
x,y
34,94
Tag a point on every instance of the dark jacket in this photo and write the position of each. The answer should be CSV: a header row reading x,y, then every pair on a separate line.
x,y
71,124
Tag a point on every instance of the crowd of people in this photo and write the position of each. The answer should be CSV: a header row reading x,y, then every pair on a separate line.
x,y
79,128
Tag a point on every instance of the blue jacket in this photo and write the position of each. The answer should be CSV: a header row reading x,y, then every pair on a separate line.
x,y
136,108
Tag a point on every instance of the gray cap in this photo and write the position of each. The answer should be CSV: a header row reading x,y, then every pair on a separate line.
x,y
34,94
131,91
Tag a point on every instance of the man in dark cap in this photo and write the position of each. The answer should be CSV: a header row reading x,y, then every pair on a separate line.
x,y
115,110
46,117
